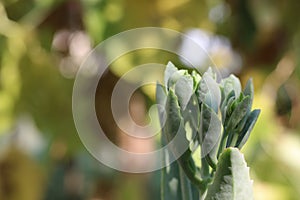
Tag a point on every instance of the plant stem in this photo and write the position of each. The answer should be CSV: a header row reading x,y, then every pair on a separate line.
x,y
204,168
222,143
193,175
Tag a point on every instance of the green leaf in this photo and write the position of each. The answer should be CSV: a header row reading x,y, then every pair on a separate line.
x,y
175,77
196,78
174,119
209,92
245,133
249,90
184,90
231,83
210,132
242,123
232,180
175,125
174,183
211,73
192,113
191,117
227,101
170,70
172,75
174,128
171,177
238,113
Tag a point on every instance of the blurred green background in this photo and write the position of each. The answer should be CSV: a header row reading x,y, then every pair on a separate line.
x,y
43,42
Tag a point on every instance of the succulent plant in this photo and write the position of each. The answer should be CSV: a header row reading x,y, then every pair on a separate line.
x,y
214,117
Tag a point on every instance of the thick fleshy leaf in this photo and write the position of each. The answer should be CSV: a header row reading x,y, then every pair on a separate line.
x,y
170,70
175,126
209,92
191,117
175,132
210,132
175,77
192,113
172,182
245,133
191,136
238,130
249,89
242,123
174,118
231,83
184,90
240,110
227,101
196,78
232,180
223,97
170,176
211,73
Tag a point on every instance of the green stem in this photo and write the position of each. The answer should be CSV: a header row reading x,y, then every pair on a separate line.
x,y
204,168
234,140
229,139
210,162
222,143
191,172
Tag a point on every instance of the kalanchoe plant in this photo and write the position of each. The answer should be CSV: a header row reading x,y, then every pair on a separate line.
x,y
212,117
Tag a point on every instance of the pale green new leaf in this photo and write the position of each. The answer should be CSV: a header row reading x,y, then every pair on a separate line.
x,y
196,78
184,90
169,71
231,83
209,92
175,77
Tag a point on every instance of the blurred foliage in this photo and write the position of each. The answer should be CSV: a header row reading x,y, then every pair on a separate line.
x,y
38,63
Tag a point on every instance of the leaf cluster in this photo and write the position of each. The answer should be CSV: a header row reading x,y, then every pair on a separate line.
x,y
212,116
